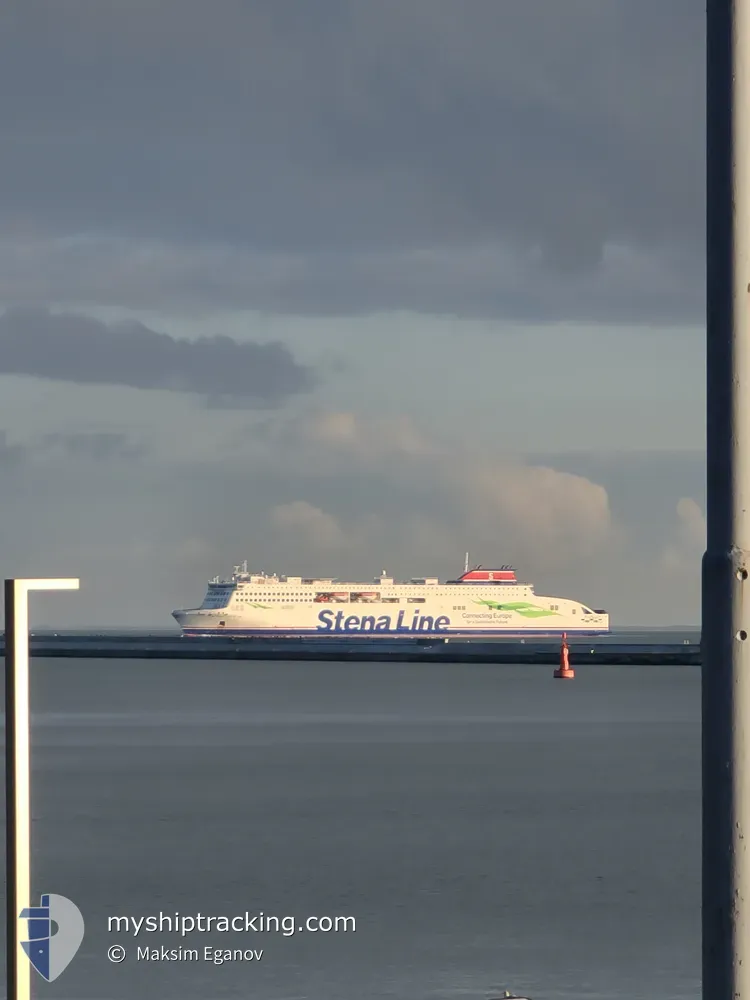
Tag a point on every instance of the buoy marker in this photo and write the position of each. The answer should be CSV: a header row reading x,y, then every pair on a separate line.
x,y
565,671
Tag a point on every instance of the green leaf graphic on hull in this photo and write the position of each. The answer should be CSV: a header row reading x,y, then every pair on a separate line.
x,y
520,607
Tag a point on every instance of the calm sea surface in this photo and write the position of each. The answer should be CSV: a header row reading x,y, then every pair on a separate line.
x,y
487,827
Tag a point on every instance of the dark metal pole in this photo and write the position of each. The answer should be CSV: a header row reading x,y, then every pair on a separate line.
x,y
726,590
11,873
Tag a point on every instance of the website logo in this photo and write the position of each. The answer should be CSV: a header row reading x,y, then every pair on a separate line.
x,y
55,935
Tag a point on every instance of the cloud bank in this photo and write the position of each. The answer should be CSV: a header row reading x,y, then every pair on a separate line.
x,y
78,349
475,281
337,493
442,500
525,158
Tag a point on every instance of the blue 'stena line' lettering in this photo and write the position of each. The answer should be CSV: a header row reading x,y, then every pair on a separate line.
x,y
340,621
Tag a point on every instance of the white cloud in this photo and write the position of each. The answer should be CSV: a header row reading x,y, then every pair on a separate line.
x,y
366,439
692,524
685,551
341,495
551,515
302,522
537,516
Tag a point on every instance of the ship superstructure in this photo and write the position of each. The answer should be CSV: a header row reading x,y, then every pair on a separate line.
x,y
480,602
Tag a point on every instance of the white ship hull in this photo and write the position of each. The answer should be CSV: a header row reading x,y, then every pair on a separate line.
x,y
481,603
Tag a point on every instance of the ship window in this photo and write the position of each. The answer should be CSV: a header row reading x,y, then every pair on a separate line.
x,y
416,600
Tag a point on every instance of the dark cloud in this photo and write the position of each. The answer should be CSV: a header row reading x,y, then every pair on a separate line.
x,y
554,130
97,445
470,281
10,454
73,348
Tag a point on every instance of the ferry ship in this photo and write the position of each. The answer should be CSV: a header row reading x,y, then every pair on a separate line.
x,y
479,603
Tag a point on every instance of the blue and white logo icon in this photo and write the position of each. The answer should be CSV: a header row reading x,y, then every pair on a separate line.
x,y
51,950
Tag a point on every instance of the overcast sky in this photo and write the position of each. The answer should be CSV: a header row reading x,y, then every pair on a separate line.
x,y
351,286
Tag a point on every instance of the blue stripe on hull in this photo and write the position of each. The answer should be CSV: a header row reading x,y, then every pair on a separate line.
x,y
315,634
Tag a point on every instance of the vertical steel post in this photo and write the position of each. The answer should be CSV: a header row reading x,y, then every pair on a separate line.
x,y
726,588
11,832
18,775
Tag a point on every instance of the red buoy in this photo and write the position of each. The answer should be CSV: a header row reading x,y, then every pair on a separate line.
x,y
565,670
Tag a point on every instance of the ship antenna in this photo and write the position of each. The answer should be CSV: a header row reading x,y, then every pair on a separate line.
x,y
466,563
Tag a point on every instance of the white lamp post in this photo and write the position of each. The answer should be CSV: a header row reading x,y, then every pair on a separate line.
x,y
17,773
